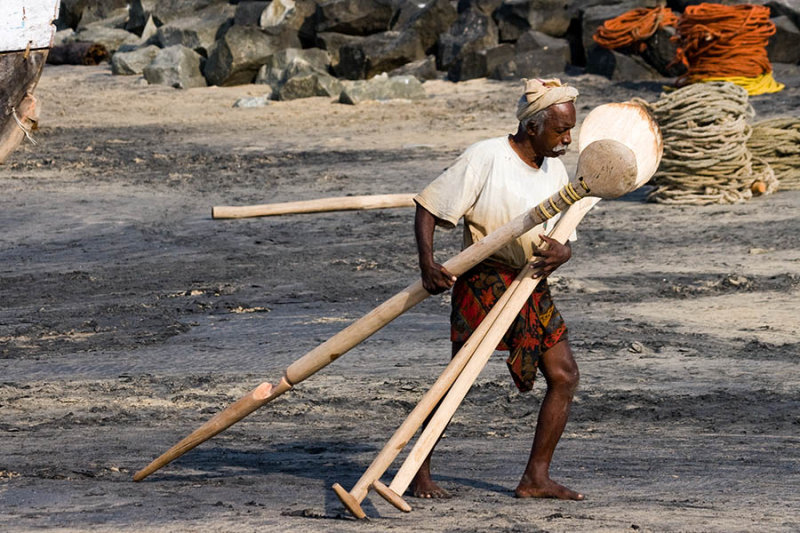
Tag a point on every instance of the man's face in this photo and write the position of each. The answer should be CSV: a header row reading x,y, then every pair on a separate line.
x,y
555,136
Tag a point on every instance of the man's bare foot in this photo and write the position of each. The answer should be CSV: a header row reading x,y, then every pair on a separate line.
x,y
547,489
427,488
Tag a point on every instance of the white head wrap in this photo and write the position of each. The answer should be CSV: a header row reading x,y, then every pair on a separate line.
x,y
540,94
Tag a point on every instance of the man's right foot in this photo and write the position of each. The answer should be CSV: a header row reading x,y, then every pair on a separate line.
x,y
426,488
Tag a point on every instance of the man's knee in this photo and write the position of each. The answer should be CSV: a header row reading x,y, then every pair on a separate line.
x,y
560,369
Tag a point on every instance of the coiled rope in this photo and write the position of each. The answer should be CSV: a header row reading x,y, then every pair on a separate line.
x,y
633,27
777,141
706,160
727,43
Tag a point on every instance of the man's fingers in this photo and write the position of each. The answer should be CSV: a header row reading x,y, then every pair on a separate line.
x,y
449,276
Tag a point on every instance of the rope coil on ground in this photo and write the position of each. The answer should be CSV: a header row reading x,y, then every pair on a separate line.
x,y
706,159
777,141
727,43
633,27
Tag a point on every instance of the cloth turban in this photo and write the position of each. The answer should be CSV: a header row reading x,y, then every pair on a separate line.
x,y
540,94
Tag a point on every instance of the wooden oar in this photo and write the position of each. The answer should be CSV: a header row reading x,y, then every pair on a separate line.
x,y
343,203
605,168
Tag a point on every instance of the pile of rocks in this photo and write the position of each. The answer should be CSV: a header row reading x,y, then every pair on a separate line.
x,y
302,48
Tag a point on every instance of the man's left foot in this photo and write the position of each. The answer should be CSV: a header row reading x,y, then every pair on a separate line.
x,y
548,489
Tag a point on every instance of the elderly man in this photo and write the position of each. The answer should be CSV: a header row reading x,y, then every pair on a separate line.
x,y
492,182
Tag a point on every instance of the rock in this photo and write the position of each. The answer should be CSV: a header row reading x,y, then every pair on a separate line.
x,y
176,66
552,17
660,51
283,65
787,8
472,32
149,33
354,17
236,58
378,53
110,18
619,67
382,88
133,62
72,12
309,85
784,46
249,13
163,11
253,101
333,42
536,55
481,63
111,38
428,21
198,32
422,69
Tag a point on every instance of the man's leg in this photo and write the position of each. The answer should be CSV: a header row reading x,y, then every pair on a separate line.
x,y
561,373
423,486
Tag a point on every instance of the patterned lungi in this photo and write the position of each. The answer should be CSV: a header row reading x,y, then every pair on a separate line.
x,y
538,327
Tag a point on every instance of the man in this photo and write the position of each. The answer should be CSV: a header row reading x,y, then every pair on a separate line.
x,y
491,183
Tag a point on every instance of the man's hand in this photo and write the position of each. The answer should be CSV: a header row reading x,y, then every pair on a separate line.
x,y
436,278
550,257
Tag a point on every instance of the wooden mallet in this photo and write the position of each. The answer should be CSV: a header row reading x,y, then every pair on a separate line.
x,y
595,182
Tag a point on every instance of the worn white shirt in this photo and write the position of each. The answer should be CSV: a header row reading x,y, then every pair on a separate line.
x,y
489,185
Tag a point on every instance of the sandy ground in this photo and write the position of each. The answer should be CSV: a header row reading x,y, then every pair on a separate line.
x,y
129,317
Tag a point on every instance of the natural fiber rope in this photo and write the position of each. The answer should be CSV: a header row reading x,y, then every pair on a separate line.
x,y
777,141
727,43
706,160
633,27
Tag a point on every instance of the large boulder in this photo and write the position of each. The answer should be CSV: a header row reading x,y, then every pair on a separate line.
x,y
354,17
378,53
427,21
472,32
111,38
249,13
660,52
236,58
536,55
482,63
422,69
619,67
200,31
163,11
133,62
333,42
309,85
282,65
382,88
515,17
784,46
786,8
176,66
71,13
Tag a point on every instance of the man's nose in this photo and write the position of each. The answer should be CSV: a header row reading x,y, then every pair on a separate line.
x,y
567,139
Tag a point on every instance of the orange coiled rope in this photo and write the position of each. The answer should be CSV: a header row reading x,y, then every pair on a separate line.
x,y
726,42
633,27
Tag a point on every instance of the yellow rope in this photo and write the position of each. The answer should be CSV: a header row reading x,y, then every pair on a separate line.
x,y
759,85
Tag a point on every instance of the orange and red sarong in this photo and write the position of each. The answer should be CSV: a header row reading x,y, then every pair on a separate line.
x,y
538,327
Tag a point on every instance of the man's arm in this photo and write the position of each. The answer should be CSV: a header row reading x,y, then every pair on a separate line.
x,y
555,255
435,278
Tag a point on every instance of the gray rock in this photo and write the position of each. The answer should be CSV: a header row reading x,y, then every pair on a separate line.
x,y
354,17
105,16
619,67
660,52
382,88
253,101
332,42
163,11
784,46
426,20
198,32
786,8
378,53
536,55
176,66
249,13
481,63
111,38
72,12
133,62
422,69
236,58
309,85
283,65
515,17
472,32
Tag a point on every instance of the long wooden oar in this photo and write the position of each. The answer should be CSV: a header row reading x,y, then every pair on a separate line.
x,y
343,203
409,427
606,169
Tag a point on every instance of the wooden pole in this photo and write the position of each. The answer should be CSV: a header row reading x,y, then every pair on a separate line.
x,y
609,171
344,203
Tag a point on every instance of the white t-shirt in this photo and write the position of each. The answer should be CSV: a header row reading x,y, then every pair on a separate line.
x,y
490,185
